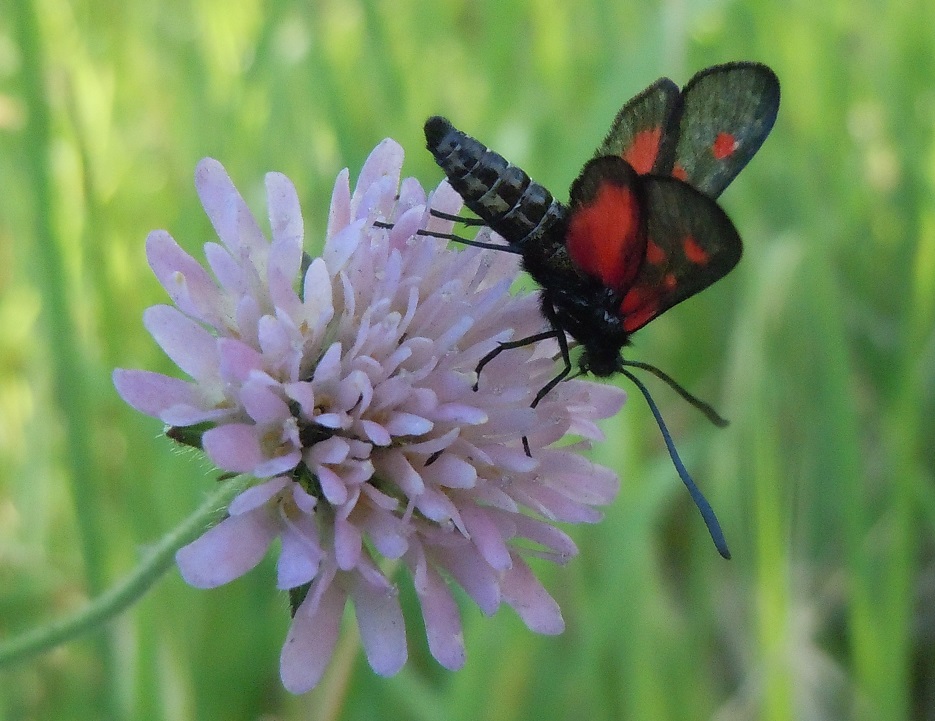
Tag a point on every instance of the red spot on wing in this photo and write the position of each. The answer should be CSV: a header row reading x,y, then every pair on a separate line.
x,y
654,254
639,306
724,146
643,151
679,173
604,237
669,281
694,252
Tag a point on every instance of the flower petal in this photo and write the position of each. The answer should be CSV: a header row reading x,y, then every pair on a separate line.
x,y
522,590
229,214
312,636
233,447
441,616
227,551
256,496
486,536
190,346
300,555
382,630
186,281
153,393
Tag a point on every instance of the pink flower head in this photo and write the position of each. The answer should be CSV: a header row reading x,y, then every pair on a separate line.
x,y
344,384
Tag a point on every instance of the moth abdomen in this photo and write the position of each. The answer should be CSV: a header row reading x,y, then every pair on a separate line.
x,y
500,193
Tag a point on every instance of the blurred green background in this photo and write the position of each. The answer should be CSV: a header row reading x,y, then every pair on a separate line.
x,y
819,347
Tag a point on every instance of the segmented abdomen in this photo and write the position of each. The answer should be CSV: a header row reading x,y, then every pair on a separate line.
x,y
511,203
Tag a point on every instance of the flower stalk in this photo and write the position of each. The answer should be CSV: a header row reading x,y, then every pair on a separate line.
x,y
159,559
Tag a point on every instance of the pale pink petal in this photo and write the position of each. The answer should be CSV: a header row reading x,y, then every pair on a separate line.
x,y
275,338
237,360
395,465
522,590
184,415
340,213
339,247
408,424
262,403
545,534
553,504
306,503
332,486
347,543
461,413
312,637
486,536
188,284
330,451
229,214
233,447
379,435
153,393
278,464
190,346
382,168
256,496
437,506
317,295
406,226
411,195
452,471
441,616
605,400
472,573
285,219
385,530
382,630
228,550
229,272
301,553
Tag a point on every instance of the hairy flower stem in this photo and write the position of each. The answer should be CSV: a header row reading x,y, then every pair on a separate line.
x,y
161,557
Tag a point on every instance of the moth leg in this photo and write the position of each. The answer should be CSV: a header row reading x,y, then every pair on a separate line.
x,y
467,241
457,218
559,334
510,345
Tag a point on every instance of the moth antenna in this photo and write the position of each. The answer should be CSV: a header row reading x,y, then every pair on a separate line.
x,y
709,412
707,513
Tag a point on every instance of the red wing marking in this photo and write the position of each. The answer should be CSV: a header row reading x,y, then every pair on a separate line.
x,y
654,254
669,281
679,173
694,252
604,236
642,152
638,307
724,146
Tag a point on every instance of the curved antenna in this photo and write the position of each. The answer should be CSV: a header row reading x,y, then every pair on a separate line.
x,y
709,412
707,513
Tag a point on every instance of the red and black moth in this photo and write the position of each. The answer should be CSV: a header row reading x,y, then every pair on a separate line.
x,y
641,232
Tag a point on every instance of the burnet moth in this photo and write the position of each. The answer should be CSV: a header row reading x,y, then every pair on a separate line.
x,y
641,232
